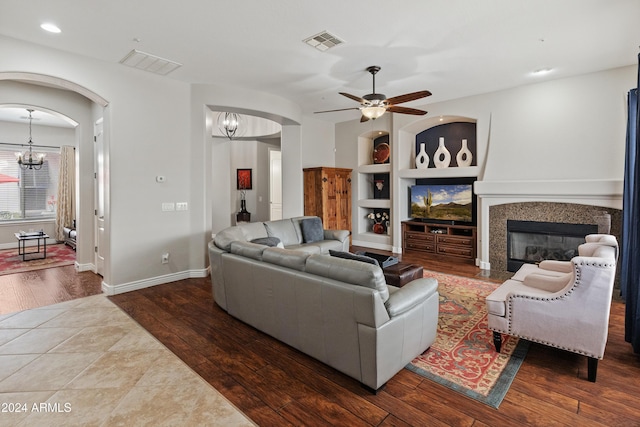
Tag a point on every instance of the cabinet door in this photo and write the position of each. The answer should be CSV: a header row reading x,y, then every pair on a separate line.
x,y
329,199
343,200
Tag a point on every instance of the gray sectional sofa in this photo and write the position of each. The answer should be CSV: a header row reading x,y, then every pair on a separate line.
x,y
339,311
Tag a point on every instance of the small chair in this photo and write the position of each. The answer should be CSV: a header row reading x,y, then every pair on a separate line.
x,y
566,308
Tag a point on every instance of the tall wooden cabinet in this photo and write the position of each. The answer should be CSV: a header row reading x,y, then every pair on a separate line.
x,y
327,194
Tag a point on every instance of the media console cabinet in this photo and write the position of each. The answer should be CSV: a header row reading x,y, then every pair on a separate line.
x,y
447,241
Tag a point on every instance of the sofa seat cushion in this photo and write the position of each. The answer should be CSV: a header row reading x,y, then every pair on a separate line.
x,y
349,271
284,230
325,246
311,230
497,300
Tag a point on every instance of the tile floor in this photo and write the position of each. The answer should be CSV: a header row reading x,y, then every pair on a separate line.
x,y
87,363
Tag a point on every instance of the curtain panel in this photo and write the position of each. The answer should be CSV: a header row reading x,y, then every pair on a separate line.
x,y
629,262
65,214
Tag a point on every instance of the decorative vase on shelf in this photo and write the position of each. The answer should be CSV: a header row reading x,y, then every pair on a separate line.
x,y
422,159
378,228
442,157
464,156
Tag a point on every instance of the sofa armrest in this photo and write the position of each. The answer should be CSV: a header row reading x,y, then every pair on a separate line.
x,y
553,265
547,283
340,235
410,295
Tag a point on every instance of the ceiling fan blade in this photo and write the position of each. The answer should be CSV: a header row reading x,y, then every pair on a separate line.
x,y
405,110
339,109
364,119
355,98
408,97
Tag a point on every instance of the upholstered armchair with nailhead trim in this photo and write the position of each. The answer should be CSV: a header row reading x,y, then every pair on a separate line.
x,y
569,310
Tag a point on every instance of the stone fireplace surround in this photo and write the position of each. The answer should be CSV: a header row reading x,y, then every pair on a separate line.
x,y
567,213
565,201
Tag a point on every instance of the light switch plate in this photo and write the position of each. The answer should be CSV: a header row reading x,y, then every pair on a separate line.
x,y
168,206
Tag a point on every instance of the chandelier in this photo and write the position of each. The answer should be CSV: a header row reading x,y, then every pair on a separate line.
x,y
28,160
230,125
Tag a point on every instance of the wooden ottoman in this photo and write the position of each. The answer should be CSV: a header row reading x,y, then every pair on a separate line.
x,y
402,273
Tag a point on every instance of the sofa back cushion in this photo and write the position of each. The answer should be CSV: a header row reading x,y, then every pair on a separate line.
x,y
224,238
247,249
285,258
349,271
253,230
284,230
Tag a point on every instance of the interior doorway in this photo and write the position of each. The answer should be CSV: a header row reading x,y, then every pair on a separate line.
x,y
99,196
275,184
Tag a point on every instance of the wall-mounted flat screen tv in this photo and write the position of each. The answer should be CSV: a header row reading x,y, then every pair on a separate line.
x,y
449,200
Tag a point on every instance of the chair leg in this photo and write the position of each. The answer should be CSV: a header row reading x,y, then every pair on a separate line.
x,y
592,369
497,340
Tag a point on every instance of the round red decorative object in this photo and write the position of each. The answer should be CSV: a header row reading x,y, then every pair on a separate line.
x,y
378,228
381,153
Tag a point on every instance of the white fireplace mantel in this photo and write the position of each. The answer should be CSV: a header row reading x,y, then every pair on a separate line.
x,y
601,193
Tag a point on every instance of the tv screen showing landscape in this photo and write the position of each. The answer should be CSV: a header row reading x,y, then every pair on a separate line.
x,y
442,202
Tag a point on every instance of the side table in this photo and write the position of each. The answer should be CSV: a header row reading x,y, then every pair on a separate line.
x,y
22,240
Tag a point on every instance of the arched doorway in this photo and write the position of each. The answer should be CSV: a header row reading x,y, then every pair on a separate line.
x,y
86,108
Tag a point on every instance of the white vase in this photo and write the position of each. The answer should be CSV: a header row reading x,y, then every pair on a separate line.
x,y
442,157
422,159
464,156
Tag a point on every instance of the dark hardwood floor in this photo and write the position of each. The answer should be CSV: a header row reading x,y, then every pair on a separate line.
x,y
38,288
276,385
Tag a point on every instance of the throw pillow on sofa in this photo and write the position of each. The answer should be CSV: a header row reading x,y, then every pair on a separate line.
x,y
349,255
268,241
312,230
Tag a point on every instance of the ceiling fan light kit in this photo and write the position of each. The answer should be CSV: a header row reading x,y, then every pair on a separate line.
x,y
374,105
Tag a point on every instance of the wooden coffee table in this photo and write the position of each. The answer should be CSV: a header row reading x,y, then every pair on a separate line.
x,y
402,273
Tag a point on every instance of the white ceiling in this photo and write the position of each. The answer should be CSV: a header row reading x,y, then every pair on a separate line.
x,y
452,48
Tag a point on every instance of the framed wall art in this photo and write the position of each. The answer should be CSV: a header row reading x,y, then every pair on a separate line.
x,y
244,179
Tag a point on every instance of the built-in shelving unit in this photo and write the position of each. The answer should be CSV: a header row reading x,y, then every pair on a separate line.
x,y
370,198
402,173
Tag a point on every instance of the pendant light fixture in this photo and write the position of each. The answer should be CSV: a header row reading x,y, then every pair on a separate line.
x,y
230,124
28,160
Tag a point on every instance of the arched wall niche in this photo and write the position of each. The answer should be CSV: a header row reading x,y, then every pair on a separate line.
x,y
84,107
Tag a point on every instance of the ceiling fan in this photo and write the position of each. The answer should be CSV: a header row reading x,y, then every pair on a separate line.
x,y
375,104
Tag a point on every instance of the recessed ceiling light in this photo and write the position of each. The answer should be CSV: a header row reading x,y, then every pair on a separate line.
x,y
52,28
542,71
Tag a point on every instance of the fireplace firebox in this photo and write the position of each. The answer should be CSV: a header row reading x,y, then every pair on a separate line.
x,y
533,241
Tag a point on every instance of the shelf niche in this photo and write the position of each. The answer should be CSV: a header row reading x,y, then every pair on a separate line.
x,y
453,133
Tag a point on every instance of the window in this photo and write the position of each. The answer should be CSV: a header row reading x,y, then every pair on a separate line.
x,y
30,193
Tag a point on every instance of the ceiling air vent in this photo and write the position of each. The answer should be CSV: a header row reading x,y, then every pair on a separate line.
x,y
323,41
151,63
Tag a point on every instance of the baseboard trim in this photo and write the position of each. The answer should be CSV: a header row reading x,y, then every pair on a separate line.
x,y
85,267
153,281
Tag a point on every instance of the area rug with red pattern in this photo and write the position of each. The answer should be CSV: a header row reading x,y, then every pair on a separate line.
x,y
463,357
57,256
